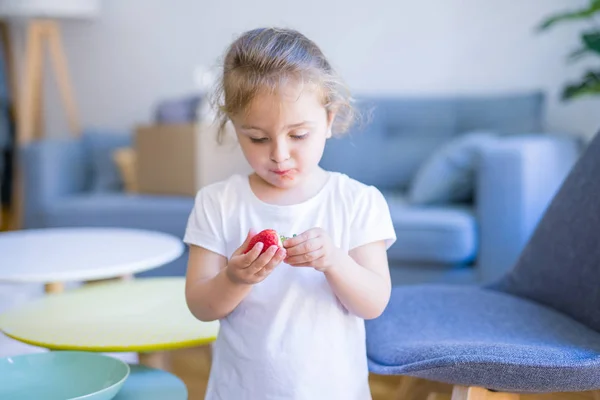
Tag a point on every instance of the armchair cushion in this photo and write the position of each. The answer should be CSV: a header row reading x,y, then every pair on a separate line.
x,y
473,336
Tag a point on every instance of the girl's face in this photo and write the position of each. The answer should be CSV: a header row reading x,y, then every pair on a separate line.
x,y
283,134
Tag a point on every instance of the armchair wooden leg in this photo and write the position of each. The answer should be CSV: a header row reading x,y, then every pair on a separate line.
x,y
407,384
478,393
438,396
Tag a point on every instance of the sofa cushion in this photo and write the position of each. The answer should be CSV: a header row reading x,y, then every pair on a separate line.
x,y
167,214
448,174
100,147
126,160
428,234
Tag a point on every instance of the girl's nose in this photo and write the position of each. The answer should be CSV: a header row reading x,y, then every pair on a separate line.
x,y
280,151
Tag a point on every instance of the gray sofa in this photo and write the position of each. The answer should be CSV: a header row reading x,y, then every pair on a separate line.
x,y
471,239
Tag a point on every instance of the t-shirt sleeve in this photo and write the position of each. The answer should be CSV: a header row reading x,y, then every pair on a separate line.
x,y
372,221
204,226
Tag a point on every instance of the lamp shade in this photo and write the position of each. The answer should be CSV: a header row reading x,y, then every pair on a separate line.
x,y
77,9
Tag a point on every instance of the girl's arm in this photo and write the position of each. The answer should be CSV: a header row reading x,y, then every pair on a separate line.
x,y
209,292
361,279
215,286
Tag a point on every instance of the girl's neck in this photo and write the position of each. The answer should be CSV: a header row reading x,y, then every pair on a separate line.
x,y
305,190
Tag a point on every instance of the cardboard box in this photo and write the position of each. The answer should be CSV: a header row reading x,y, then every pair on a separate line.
x,y
181,159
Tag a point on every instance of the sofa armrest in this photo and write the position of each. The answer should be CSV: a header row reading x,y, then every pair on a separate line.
x,y
516,180
52,168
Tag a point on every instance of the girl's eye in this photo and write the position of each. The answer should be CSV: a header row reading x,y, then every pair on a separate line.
x,y
258,140
300,137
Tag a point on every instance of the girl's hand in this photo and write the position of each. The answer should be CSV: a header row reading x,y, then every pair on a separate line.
x,y
253,267
313,248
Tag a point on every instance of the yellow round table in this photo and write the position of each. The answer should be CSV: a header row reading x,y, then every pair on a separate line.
x,y
143,315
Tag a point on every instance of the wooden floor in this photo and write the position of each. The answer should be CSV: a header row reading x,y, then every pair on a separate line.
x,y
193,366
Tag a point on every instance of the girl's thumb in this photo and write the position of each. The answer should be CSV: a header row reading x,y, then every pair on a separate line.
x,y
251,233
249,236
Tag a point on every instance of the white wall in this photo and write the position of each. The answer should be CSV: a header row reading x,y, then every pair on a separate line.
x,y
140,51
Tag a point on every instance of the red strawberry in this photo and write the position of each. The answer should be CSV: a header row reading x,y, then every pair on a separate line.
x,y
268,237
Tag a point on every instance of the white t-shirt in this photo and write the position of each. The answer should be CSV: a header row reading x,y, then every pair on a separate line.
x,y
290,338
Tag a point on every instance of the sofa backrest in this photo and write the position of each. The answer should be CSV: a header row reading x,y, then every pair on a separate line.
x,y
397,134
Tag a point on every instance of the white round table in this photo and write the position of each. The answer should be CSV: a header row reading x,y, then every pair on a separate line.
x,y
54,256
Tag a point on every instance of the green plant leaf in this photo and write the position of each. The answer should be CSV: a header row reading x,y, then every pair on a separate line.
x,y
591,44
589,85
577,54
592,41
585,13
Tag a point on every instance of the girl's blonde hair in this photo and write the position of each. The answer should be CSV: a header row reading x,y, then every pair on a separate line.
x,y
263,59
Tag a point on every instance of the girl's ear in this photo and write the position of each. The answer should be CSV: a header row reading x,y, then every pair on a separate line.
x,y
330,119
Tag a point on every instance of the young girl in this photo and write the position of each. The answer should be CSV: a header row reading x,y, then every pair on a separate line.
x,y
291,318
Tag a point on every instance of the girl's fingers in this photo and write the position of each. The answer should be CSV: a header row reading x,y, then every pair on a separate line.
x,y
252,255
306,246
240,250
303,237
263,259
273,261
305,258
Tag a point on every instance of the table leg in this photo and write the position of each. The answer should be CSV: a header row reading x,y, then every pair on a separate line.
x,y
156,359
128,277
54,287
124,278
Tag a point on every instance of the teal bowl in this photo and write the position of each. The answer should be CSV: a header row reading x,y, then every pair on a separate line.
x,y
61,375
